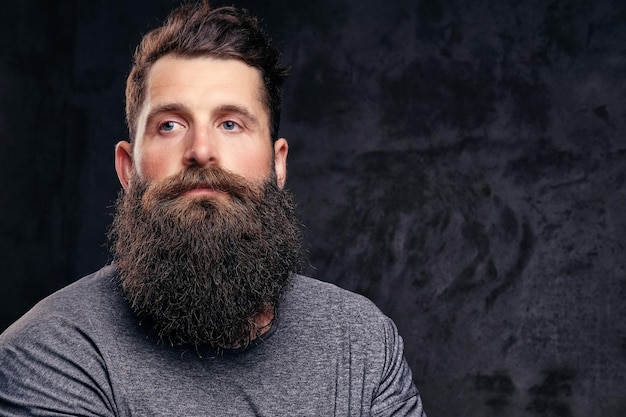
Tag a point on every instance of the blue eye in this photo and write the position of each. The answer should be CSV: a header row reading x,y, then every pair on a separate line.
x,y
168,126
230,125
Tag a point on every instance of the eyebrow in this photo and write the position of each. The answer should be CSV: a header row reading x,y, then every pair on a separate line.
x,y
223,109
163,108
239,110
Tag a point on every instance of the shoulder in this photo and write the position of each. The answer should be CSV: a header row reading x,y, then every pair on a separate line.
x,y
322,292
58,344
80,310
330,306
88,315
328,297
90,296
367,339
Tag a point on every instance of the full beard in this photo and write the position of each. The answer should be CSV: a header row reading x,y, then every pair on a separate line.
x,y
199,269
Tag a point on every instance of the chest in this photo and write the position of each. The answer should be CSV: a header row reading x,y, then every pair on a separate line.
x,y
304,379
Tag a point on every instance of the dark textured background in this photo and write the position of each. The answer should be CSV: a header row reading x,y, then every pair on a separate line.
x,y
461,163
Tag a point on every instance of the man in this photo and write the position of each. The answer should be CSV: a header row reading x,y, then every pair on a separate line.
x,y
201,312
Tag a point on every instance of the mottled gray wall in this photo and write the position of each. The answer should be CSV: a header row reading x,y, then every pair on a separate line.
x,y
461,163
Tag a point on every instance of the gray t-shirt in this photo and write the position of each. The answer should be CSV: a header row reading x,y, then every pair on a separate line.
x,y
83,352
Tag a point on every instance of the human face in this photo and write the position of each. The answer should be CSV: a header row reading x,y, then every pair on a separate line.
x,y
199,112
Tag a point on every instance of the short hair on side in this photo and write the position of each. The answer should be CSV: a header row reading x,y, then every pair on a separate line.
x,y
197,30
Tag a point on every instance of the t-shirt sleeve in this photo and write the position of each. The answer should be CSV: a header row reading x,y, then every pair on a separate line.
x,y
50,367
397,394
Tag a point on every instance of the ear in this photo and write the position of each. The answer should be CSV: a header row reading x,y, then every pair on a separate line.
x,y
124,162
281,148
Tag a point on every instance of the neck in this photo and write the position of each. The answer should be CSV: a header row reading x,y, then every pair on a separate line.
x,y
262,323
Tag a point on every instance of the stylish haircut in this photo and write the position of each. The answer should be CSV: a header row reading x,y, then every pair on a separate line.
x,y
196,30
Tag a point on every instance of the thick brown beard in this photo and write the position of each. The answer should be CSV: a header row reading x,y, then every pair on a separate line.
x,y
199,269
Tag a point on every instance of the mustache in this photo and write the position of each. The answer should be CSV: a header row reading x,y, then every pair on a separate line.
x,y
213,177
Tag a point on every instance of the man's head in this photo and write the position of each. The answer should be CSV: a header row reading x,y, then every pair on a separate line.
x,y
205,236
224,55
196,30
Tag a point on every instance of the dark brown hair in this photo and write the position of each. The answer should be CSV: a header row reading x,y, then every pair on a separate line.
x,y
195,30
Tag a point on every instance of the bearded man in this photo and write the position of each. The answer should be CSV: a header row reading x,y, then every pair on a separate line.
x,y
202,311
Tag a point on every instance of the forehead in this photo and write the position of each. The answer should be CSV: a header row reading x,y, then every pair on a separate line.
x,y
205,80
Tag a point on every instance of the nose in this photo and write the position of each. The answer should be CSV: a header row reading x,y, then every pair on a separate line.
x,y
202,148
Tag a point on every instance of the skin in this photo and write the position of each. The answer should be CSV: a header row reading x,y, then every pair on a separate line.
x,y
203,111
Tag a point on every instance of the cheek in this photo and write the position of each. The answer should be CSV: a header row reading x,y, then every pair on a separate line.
x,y
254,163
155,165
